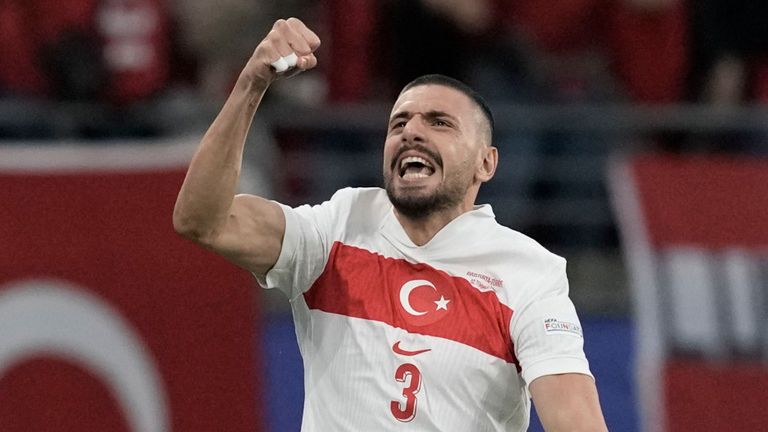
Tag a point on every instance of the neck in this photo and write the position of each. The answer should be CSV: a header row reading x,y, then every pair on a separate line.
x,y
422,230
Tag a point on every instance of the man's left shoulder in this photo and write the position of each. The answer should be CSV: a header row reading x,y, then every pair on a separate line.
x,y
515,244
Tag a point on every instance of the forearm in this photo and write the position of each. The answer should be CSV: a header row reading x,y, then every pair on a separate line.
x,y
568,402
209,188
245,229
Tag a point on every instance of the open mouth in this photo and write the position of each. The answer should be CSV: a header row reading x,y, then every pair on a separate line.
x,y
414,167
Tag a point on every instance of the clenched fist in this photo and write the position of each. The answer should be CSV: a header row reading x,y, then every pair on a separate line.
x,y
286,50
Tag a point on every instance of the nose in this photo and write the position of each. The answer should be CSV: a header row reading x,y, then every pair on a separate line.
x,y
413,131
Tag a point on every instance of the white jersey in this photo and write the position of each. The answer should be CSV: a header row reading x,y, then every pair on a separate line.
x,y
440,337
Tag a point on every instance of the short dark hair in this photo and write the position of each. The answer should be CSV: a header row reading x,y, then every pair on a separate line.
x,y
453,83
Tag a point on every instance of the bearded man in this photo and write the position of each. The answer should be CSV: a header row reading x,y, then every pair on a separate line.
x,y
414,309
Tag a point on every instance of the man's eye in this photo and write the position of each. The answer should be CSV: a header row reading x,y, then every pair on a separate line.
x,y
398,125
439,123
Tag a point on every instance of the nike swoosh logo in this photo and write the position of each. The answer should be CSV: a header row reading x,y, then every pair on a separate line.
x,y
396,348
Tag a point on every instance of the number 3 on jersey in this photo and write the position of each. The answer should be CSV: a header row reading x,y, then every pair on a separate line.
x,y
411,375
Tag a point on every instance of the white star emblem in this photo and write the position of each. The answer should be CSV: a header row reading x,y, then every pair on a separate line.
x,y
442,303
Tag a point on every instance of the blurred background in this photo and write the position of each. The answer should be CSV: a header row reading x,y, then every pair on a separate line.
x,y
632,137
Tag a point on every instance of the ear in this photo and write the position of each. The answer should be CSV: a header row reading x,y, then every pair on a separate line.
x,y
487,167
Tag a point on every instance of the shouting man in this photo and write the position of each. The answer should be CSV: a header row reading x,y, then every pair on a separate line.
x,y
414,309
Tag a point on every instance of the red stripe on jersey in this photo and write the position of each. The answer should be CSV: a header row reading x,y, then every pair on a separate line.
x,y
414,297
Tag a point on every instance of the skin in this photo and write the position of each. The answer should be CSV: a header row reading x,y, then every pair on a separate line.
x,y
568,403
446,128
245,229
248,230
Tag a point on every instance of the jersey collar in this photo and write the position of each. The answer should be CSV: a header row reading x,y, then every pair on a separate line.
x,y
450,235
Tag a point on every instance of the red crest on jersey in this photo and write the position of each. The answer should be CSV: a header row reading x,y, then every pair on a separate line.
x,y
423,302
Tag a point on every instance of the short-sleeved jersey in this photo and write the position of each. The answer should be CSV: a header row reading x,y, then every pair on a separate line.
x,y
439,337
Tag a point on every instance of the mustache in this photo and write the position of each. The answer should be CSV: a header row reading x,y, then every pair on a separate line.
x,y
420,148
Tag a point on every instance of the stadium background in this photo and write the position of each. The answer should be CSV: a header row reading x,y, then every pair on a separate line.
x,y
103,101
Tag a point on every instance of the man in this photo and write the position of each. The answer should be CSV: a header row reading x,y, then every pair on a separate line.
x,y
414,309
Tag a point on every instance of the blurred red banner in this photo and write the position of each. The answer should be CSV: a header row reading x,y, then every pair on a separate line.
x,y
695,235
109,321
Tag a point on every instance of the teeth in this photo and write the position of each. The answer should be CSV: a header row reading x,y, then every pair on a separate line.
x,y
411,159
409,176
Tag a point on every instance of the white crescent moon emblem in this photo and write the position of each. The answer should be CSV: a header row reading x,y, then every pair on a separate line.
x,y
405,293
49,316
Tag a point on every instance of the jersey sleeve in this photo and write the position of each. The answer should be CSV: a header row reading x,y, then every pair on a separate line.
x,y
306,244
547,333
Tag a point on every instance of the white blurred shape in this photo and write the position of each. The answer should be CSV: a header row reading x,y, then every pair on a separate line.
x,y
693,305
55,318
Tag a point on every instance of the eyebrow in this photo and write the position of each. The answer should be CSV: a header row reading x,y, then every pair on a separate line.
x,y
429,114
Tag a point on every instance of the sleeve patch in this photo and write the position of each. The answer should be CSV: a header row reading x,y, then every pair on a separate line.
x,y
553,326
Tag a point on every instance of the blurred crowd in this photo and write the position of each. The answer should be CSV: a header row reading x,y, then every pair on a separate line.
x,y
102,69
121,52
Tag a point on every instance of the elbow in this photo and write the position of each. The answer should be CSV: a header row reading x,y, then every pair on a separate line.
x,y
184,227
187,227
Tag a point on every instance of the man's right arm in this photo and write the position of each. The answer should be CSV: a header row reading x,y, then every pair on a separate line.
x,y
245,229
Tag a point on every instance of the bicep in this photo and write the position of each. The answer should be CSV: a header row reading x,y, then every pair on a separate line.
x,y
252,235
567,402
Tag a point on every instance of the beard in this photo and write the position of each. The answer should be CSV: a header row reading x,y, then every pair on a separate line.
x,y
419,205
